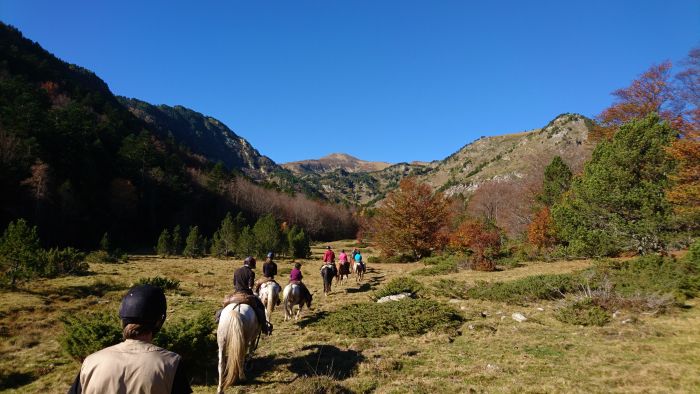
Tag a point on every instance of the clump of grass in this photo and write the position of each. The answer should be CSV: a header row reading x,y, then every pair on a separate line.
x,y
407,317
397,286
321,384
438,265
532,288
584,312
159,281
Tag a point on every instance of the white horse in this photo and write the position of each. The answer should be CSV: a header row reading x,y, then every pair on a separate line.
x,y
270,296
293,295
359,271
237,337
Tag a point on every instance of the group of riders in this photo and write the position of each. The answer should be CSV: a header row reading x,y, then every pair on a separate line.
x,y
137,365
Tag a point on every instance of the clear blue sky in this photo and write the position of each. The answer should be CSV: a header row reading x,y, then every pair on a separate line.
x,y
382,80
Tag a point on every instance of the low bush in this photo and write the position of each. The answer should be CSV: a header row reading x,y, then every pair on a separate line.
x,y
532,288
407,317
449,288
397,286
438,265
374,260
584,312
103,257
68,261
195,341
159,281
399,259
87,333
649,275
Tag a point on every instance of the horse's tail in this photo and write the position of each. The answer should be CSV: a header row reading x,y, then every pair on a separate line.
x,y
235,350
285,301
272,297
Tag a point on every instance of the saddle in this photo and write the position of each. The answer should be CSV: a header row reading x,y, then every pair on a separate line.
x,y
254,302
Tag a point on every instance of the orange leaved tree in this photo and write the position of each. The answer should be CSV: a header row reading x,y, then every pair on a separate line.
x,y
482,239
411,221
540,232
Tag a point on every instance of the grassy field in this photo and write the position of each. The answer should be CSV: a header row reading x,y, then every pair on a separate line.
x,y
490,352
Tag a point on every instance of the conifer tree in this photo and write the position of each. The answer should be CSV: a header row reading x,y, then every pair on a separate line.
x,y
105,244
298,243
618,203
164,246
267,235
194,244
246,242
176,241
557,180
225,238
19,251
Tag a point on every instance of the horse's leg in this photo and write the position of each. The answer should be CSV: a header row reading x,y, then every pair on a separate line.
x,y
298,312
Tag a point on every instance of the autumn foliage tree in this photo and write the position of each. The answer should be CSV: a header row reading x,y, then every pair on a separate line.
x,y
540,232
411,221
482,239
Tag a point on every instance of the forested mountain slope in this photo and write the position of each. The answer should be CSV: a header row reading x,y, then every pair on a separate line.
x,y
77,163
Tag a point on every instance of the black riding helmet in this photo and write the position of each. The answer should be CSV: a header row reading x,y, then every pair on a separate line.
x,y
143,304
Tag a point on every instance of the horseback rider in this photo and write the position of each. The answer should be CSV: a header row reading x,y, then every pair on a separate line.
x,y
329,255
295,278
243,281
343,264
269,269
358,259
135,365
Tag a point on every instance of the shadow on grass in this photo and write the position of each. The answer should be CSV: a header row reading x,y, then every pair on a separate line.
x,y
14,380
312,319
320,360
98,289
364,287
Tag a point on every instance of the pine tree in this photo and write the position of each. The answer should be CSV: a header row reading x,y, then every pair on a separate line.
x,y
246,242
298,243
164,246
105,244
267,235
618,203
19,251
194,244
557,180
225,238
176,242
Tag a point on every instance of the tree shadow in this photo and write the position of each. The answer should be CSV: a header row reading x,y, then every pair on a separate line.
x,y
308,320
14,380
322,360
98,289
326,360
364,287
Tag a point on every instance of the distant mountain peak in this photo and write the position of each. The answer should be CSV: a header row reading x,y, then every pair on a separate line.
x,y
335,161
